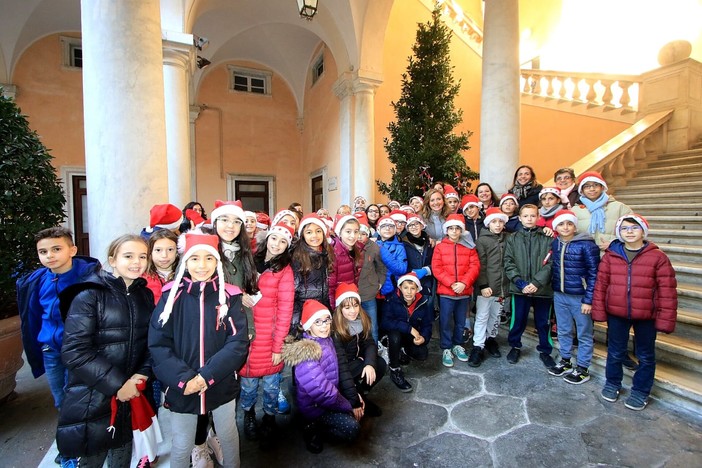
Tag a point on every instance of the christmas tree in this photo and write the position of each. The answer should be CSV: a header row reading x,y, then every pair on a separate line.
x,y
422,145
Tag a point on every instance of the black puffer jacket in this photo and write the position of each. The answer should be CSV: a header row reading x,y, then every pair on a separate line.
x,y
314,285
104,344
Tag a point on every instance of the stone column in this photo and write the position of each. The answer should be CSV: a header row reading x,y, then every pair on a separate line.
x,y
123,106
500,98
178,60
343,89
363,140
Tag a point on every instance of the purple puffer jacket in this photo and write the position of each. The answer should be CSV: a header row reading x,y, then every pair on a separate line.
x,y
316,376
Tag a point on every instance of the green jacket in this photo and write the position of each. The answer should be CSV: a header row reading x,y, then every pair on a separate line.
x,y
491,250
528,260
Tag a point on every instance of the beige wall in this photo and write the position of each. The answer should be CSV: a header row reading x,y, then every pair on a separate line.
x,y
52,98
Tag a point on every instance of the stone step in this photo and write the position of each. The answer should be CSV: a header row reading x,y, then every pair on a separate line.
x,y
677,239
693,223
659,209
677,160
689,296
688,273
689,325
689,176
668,169
653,189
681,253
669,198
680,154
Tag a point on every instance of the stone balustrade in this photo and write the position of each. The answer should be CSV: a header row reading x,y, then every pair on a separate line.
x,y
593,89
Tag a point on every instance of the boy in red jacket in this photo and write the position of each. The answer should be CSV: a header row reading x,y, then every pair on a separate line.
x,y
635,287
455,266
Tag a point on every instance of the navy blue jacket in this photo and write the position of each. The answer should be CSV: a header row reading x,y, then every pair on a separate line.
x,y
31,311
574,266
396,315
417,259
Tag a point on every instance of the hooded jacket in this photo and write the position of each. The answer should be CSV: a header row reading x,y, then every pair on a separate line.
x,y
314,285
528,260
105,343
397,315
491,252
45,327
574,266
393,254
455,262
347,269
373,271
194,341
419,259
643,289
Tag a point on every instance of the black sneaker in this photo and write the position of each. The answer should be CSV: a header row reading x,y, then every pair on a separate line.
x,y
404,358
547,360
563,367
513,355
398,378
579,376
476,356
492,348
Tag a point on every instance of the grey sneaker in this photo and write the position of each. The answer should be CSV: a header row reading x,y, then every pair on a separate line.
x,y
610,393
636,401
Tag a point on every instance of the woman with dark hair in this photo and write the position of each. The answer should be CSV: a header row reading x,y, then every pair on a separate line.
x,y
526,188
487,196
195,206
373,214
565,181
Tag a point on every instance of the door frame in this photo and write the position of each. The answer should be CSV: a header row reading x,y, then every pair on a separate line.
x,y
232,179
313,175
67,174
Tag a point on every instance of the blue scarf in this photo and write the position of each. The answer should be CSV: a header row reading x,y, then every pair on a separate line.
x,y
597,212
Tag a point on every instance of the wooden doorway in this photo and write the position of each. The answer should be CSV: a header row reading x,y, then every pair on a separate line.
x,y
79,193
317,193
254,194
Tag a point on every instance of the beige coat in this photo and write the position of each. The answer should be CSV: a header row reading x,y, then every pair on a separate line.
x,y
613,211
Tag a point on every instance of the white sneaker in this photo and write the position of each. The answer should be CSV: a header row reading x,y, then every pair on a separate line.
x,y
383,352
201,457
215,447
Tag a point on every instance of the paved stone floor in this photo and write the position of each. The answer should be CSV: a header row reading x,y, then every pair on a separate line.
x,y
499,415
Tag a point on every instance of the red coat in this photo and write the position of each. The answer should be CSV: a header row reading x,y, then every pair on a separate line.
x,y
346,269
272,315
455,262
652,294
155,283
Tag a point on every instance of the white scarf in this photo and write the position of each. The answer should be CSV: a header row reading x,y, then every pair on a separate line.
x,y
564,196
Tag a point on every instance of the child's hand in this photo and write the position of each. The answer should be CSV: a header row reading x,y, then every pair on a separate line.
x,y
458,287
247,301
548,232
276,358
195,385
369,374
358,412
419,340
486,292
530,289
139,377
585,309
128,391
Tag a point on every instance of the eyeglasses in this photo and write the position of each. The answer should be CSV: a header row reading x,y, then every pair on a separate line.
x,y
231,221
633,228
373,211
563,178
590,186
321,323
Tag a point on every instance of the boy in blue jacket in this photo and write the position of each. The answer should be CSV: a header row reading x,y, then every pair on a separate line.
x,y
38,304
575,258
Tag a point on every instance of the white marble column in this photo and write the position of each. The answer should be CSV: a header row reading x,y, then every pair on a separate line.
x,y
500,103
363,140
123,106
344,91
178,60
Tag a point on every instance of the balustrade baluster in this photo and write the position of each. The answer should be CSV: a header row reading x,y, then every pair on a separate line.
x,y
607,96
549,90
625,99
591,94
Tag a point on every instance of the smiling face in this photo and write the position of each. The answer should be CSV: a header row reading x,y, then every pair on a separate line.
x,y
250,226
473,211
373,213
416,204
349,233
415,228
164,254
228,227
436,201
384,210
321,327
350,309
564,180
592,190
313,235
201,265
275,245
129,261
409,291
524,175
566,230
484,195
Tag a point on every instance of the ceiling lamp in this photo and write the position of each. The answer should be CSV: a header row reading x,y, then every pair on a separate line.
x,y
202,62
307,8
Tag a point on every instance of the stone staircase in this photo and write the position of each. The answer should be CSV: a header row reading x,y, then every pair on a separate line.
x,y
667,191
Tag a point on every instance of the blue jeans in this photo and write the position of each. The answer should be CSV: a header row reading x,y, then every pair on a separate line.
x,y
568,309
371,308
249,392
645,346
452,310
56,374
520,314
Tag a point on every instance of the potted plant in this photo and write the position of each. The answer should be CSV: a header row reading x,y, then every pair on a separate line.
x,y
31,199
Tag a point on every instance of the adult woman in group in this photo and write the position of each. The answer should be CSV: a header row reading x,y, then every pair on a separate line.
x,y
434,213
373,214
565,181
525,187
487,196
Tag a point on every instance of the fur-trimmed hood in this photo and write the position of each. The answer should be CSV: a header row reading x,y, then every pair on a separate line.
x,y
295,352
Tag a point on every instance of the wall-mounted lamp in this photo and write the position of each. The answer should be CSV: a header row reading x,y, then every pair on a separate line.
x,y
200,43
202,62
307,8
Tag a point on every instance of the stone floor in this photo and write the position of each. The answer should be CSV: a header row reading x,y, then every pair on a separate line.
x,y
496,415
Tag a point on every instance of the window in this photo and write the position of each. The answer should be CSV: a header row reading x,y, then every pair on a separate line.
x,y
318,68
249,80
72,52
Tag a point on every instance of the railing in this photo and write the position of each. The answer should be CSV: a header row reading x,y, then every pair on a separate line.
x,y
593,89
616,159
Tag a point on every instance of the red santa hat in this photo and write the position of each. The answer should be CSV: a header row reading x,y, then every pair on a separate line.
x,y
188,244
415,218
494,213
469,200
346,291
450,192
341,220
281,214
164,216
591,176
508,196
564,215
228,208
311,311
454,220
634,218
399,215
284,231
385,221
417,197
411,276
311,218
195,217
263,221
554,190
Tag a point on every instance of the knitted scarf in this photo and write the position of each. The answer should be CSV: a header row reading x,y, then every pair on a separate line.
x,y
415,240
564,196
550,212
355,327
230,250
520,191
597,212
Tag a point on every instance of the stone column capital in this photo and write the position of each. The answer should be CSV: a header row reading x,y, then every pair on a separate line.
x,y
178,50
343,87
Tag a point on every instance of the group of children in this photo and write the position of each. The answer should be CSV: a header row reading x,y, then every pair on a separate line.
x,y
201,319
